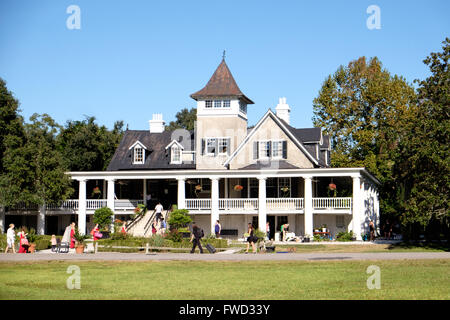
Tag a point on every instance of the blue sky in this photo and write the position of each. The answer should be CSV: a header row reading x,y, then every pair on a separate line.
x,y
131,59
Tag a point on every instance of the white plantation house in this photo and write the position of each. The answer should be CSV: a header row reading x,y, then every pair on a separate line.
x,y
223,170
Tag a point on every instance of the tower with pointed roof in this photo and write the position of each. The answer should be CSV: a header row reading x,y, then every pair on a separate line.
x,y
221,118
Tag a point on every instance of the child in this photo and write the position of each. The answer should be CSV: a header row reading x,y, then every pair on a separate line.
x,y
10,238
53,243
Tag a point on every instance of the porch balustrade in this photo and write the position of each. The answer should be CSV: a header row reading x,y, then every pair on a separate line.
x,y
238,204
332,203
285,204
198,204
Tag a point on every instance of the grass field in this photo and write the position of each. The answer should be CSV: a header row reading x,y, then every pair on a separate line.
x,y
400,279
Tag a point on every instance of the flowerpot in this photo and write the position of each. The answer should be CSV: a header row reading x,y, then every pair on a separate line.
x,y
324,229
32,248
79,248
306,240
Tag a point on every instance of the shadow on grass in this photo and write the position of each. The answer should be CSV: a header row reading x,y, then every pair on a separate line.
x,y
432,246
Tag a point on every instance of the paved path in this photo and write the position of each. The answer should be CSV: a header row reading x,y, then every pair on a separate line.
x,y
114,256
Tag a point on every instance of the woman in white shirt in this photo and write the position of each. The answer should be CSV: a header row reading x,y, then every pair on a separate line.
x,y
10,238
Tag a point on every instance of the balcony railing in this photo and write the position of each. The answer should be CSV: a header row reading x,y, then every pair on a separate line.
x,y
332,203
238,204
280,204
198,204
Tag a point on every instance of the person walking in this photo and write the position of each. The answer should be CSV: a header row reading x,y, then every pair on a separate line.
x,y
372,230
54,243
95,232
217,229
251,238
268,231
72,235
23,242
158,209
124,228
197,234
10,239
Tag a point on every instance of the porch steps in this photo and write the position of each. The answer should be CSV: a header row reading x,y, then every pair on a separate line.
x,y
143,228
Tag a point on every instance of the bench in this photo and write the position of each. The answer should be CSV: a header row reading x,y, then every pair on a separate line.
x,y
229,232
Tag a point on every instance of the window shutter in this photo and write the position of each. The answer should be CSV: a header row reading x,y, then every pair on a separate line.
x,y
216,147
228,146
203,147
255,150
284,149
269,146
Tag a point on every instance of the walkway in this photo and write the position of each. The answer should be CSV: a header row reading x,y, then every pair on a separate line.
x,y
114,256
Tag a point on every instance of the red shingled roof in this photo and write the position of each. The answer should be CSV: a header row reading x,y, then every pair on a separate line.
x,y
221,84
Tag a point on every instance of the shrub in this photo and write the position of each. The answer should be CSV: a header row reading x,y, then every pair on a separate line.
x,y
344,236
42,244
174,236
179,218
103,216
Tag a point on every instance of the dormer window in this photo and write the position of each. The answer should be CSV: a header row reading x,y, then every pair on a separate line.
x,y
138,155
138,152
176,150
175,155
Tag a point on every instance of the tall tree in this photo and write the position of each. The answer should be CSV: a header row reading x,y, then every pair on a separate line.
x,y
13,171
365,111
86,146
425,148
185,119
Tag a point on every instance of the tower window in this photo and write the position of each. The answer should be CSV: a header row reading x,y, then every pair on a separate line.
x,y
217,103
226,103
208,104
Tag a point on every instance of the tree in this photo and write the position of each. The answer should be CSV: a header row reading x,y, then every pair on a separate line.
x,y
185,119
87,146
366,110
103,216
179,218
425,148
12,137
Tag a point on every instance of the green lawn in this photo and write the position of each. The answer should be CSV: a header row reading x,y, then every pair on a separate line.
x,y
400,279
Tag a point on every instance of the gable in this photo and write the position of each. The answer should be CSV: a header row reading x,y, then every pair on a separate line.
x,y
269,129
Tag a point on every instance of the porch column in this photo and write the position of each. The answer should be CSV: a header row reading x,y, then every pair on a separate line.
x,y
110,201
82,206
2,219
181,200
144,191
214,202
308,207
262,205
41,220
357,207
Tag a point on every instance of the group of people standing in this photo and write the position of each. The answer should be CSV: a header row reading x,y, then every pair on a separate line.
x,y
11,240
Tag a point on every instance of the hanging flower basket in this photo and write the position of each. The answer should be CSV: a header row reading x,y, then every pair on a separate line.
x,y
332,186
238,187
198,188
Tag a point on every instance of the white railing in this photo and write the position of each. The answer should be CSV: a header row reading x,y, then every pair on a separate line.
x,y
332,203
275,204
125,204
92,204
71,204
238,204
198,204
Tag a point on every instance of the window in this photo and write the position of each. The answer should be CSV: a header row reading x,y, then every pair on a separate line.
x,y
175,155
138,155
340,223
208,104
277,149
223,145
242,107
211,144
226,103
264,149
284,187
217,103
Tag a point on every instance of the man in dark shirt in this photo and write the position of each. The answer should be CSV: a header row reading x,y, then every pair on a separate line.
x,y
196,237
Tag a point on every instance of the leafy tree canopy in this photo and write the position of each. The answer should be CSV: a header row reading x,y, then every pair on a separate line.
x,y
185,119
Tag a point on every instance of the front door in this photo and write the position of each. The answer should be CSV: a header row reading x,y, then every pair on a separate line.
x,y
51,225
